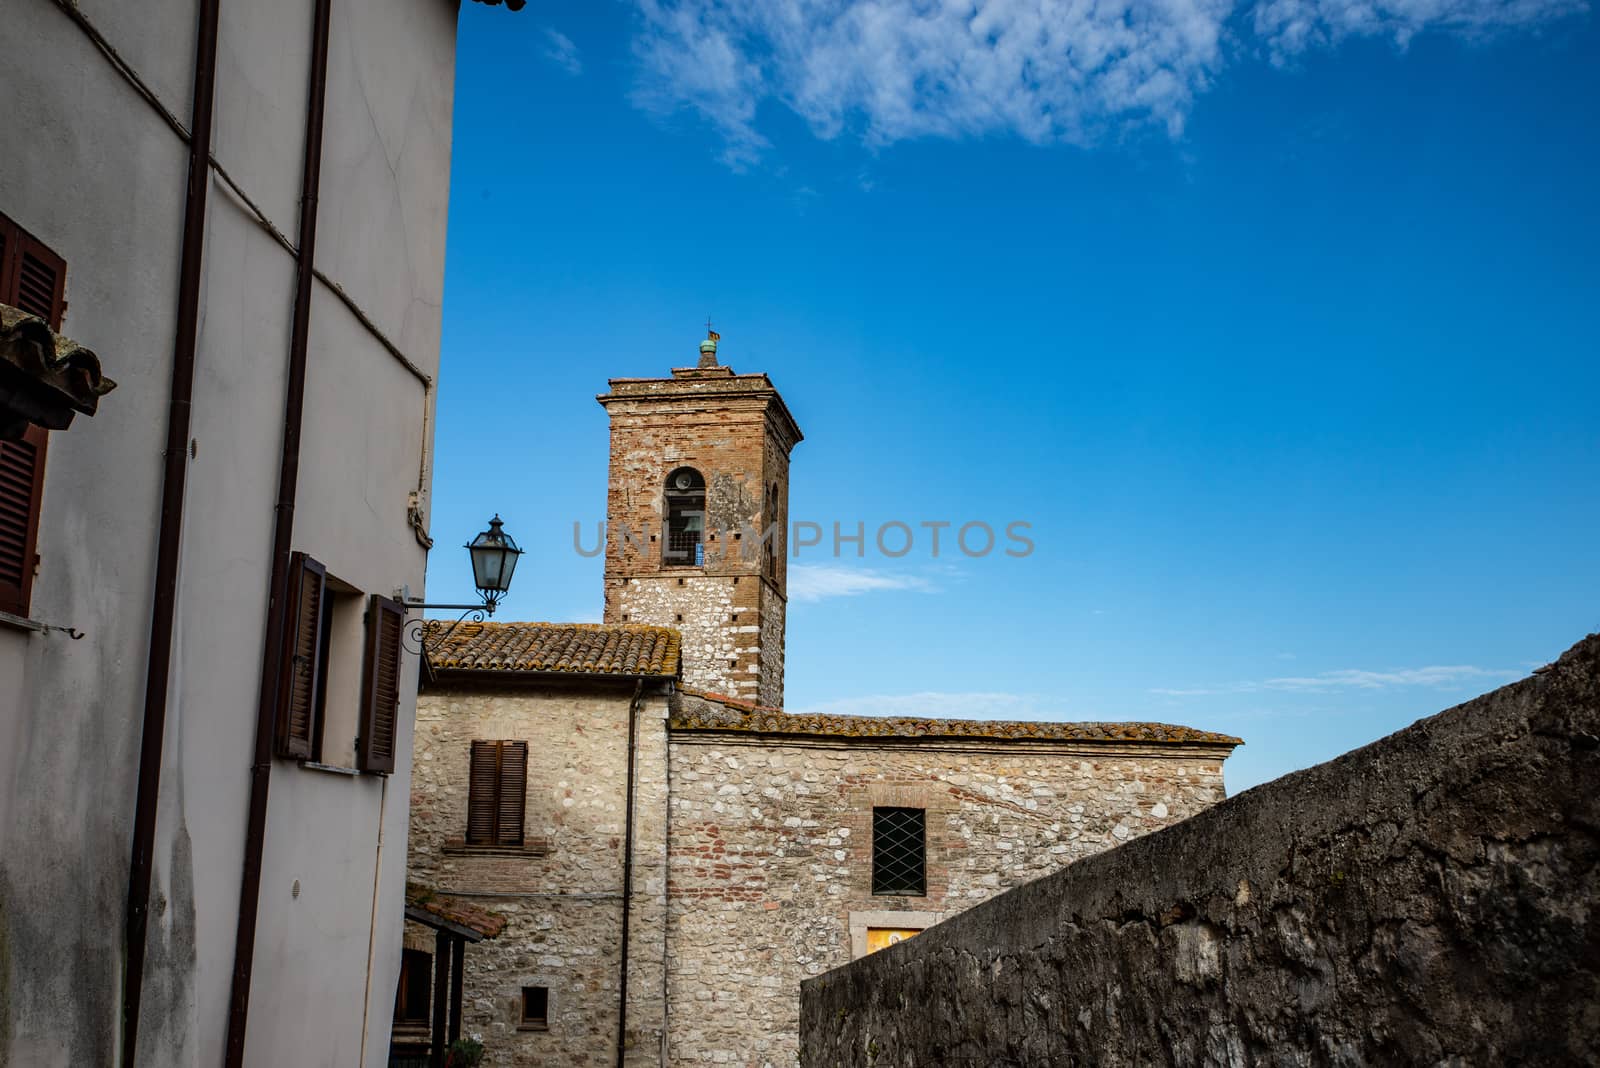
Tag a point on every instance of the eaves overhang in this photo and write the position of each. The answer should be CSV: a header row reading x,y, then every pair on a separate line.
x,y
45,379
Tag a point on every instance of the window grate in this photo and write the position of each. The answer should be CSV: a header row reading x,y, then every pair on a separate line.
x,y
899,851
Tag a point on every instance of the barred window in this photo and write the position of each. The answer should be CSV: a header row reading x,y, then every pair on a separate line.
x,y
899,851
686,518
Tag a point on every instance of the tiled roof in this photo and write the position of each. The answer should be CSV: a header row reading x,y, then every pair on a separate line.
x,y
47,378
714,712
453,911
572,648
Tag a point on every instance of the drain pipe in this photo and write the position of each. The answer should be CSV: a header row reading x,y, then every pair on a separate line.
x,y
627,876
244,945
174,479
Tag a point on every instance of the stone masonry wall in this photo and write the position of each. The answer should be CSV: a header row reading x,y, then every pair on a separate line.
x,y
1428,899
770,641
734,430
716,615
771,855
562,896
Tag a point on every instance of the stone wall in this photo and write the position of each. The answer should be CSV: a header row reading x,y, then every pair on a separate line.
x,y
769,643
736,431
562,897
1427,899
715,614
771,854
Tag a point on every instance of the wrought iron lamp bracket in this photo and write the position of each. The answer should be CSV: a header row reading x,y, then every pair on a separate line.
x,y
421,633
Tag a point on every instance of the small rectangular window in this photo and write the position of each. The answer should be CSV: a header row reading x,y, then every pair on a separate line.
x,y
899,851
496,787
535,1009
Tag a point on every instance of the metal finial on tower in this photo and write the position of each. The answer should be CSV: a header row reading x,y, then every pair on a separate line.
x,y
708,347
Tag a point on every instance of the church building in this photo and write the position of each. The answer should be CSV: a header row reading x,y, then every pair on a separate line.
x,y
666,853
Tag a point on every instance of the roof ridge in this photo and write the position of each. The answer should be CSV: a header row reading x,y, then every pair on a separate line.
x,y
1145,731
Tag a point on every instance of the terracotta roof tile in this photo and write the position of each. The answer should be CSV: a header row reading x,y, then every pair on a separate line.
x,y
48,377
572,648
453,910
715,712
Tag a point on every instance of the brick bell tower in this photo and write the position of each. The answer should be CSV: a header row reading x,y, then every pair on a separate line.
x,y
696,513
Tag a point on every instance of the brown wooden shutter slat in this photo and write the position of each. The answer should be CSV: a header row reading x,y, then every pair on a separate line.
x,y
513,786
36,287
380,691
32,278
297,689
21,491
482,787
8,245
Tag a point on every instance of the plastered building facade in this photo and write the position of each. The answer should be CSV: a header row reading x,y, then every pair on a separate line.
x,y
133,668
758,850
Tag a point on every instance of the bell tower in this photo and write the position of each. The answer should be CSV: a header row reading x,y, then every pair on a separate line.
x,y
697,509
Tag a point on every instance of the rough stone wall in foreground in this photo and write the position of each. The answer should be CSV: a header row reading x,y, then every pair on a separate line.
x,y
1428,899
771,855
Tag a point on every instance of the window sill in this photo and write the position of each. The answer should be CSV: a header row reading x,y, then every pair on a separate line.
x,y
533,1027
333,769
21,623
533,847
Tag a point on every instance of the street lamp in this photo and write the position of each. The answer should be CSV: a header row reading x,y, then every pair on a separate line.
x,y
494,557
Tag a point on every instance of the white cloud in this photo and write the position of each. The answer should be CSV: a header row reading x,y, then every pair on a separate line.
x,y
1440,677
1291,26
934,705
815,582
1044,70
559,49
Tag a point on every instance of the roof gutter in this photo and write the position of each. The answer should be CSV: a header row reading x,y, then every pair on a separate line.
x,y
174,481
282,542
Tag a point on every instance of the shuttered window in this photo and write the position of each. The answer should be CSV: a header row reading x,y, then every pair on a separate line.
x,y
21,485
301,671
380,690
33,279
496,790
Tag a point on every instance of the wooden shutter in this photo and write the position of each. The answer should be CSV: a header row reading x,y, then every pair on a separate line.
x,y
496,792
380,688
21,486
513,785
483,788
302,656
8,248
33,279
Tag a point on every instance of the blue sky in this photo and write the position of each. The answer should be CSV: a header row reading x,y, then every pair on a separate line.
x,y
1278,325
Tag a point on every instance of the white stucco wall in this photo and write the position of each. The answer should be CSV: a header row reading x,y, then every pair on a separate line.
x,y
101,180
